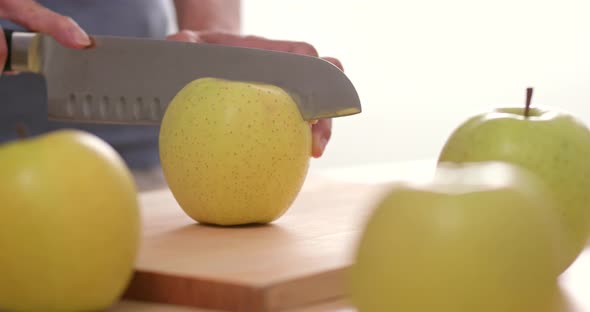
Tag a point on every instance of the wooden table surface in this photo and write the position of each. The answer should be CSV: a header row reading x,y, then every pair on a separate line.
x,y
575,282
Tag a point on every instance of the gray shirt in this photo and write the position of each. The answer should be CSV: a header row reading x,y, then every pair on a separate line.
x,y
23,99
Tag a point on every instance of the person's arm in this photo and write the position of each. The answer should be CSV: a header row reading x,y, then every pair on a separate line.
x,y
209,15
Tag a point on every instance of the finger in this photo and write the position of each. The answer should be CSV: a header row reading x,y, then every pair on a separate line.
x,y
35,17
334,61
297,47
3,51
184,35
321,133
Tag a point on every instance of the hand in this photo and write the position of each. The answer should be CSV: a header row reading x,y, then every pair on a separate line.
x,y
322,130
35,17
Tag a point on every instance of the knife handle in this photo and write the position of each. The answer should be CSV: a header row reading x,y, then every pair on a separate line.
x,y
19,44
8,37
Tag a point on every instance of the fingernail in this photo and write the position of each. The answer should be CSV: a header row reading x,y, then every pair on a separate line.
x,y
81,38
323,142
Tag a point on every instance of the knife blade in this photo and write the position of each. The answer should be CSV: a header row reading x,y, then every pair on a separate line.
x,y
132,80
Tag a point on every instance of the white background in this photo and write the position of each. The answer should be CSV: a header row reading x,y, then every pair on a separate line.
x,y
423,66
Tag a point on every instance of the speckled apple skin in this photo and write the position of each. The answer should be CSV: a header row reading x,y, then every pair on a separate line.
x,y
233,152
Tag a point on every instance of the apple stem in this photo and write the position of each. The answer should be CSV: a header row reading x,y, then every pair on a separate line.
x,y
21,131
529,96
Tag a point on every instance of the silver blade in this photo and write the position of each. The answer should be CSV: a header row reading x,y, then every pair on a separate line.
x,y
124,80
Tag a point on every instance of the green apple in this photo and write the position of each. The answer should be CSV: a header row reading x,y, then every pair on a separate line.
x,y
69,223
481,237
234,152
550,142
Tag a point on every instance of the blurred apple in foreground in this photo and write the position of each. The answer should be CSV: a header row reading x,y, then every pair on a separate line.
x,y
234,152
480,237
550,142
69,223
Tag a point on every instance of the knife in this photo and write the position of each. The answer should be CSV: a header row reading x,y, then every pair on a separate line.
x,y
131,80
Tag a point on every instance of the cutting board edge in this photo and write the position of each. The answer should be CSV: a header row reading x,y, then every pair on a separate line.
x,y
164,288
309,289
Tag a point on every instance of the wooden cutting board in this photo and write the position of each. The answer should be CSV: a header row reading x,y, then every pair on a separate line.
x,y
296,261
296,264
340,305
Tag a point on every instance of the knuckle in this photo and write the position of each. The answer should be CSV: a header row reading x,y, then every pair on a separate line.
x,y
187,35
336,62
185,32
253,38
305,48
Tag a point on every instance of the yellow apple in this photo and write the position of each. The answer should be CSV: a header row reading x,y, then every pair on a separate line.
x,y
69,223
234,152
481,237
